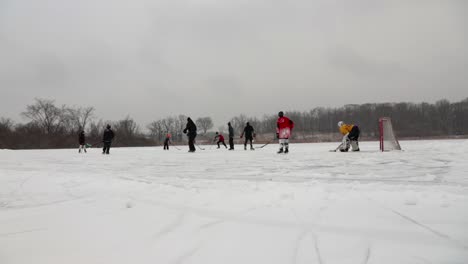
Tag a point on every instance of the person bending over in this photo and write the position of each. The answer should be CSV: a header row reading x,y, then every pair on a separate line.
x,y
350,134
220,139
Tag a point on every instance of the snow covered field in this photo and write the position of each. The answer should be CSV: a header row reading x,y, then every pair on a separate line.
x,y
146,205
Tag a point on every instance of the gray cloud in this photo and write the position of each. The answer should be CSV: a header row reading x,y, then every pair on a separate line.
x,y
150,59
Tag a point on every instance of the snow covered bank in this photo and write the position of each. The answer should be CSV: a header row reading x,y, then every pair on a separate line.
x,y
146,205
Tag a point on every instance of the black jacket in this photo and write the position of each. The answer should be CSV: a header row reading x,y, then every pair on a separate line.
x,y
191,128
108,135
248,131
231,132
81,138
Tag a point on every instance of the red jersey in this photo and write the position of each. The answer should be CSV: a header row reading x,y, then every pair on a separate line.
x,y
220,138
284,127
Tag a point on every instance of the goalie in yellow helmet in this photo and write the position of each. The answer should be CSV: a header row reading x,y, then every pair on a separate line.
x,y
350,136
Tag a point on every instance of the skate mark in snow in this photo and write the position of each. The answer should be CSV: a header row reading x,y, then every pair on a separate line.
x,y
317,250
142,180
421,225
444,161
219,221
211,224
433,231
333,178
44,204
181,259
22,232
170,227
367,255
299,239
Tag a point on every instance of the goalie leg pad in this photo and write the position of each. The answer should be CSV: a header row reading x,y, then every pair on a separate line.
x,y
345,145
355,145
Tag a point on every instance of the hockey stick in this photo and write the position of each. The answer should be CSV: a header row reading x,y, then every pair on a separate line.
x,y
334,150
199,147
266,143
94,144
174,146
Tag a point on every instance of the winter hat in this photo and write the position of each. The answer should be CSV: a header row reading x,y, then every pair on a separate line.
x,y
280,114
340,123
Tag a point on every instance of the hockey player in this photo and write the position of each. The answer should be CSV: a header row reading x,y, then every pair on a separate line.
x,y
231,136
284,128
249,135
167,141
107,139
350,136
82,141
191,131
220,139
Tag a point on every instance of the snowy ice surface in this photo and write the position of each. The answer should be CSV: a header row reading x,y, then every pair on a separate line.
x,y
147,205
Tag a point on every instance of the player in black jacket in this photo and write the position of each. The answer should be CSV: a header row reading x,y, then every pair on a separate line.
x,y
249,135
191,131
107,139
82,141
231,136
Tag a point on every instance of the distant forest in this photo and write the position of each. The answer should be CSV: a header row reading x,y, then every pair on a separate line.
x,y
52,126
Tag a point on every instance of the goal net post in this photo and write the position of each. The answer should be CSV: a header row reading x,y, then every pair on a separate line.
x,y
388,139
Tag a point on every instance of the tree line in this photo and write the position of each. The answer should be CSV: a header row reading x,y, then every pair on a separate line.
x,y
57,126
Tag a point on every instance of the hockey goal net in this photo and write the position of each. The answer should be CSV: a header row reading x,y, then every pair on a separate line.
x,y
388,140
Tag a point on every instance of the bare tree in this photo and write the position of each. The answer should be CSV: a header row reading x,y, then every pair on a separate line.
x,y
156,129
168,124
127,127
238,122
205,123
52,126
6,124
80,116
181,121
6,131
173,125
45,114
268,124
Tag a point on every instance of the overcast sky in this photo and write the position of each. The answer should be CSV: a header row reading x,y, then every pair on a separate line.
x,y
220,58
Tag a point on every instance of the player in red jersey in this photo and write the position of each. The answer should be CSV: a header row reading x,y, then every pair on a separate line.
x,y
284,128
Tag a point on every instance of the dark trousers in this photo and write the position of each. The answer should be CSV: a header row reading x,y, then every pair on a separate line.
x,y
219,142
354,133
106,147
246,140
191,142
231,143
166,144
